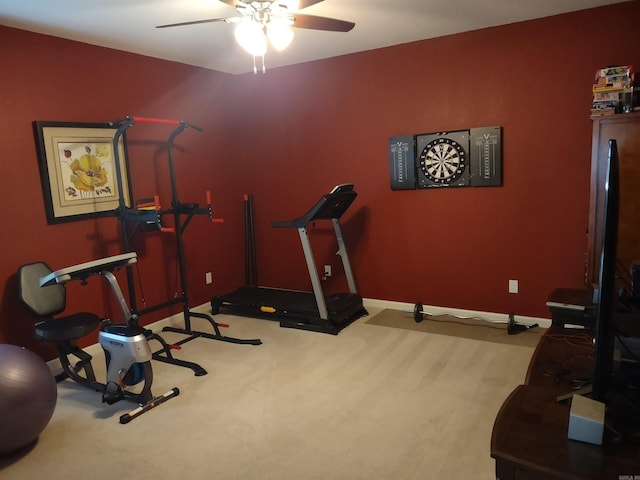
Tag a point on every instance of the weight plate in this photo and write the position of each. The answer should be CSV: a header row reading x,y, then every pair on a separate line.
x,y
418,316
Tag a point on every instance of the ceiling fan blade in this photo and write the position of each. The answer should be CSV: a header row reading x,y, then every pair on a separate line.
x,y
301,3
235,3
307,3
313,22
195,22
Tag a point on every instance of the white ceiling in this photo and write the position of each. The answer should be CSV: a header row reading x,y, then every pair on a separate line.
x,y
129,25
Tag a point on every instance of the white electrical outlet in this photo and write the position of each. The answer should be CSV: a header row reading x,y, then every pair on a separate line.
x,y
513,286
208,278
327,270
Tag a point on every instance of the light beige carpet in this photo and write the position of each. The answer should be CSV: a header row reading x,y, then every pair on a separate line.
x,y
475,329
373,402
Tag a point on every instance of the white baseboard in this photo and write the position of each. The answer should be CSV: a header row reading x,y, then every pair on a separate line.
x,y
174,320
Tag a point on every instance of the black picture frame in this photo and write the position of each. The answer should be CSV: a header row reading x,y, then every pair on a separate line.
x,y
78,171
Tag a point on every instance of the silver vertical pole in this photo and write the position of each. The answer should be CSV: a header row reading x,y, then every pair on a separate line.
x,y
313,273
342,251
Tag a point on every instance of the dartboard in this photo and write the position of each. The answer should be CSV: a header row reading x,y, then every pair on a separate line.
x,y
443,160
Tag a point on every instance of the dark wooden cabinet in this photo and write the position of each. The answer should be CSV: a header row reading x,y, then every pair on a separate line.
x,y
625,129
530,434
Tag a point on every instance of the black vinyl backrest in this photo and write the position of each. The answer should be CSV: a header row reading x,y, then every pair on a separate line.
x,y
42,301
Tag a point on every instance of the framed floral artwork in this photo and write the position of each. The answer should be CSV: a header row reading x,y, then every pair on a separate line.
x,y
78,171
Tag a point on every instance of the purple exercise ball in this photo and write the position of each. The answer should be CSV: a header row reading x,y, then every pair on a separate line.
x,y
28,395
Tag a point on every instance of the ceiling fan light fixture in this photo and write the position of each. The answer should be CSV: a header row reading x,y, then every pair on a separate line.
x,y
250,35
270,21
280,34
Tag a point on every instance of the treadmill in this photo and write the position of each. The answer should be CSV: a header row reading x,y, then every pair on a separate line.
x,y
314,310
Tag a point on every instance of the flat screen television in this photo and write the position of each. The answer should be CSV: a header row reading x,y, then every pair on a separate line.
x,y
607,296
615,382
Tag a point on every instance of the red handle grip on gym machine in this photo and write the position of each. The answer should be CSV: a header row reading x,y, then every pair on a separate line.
x,y
214,220
131,119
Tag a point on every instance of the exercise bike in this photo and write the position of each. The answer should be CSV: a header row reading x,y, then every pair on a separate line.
x,y
128,355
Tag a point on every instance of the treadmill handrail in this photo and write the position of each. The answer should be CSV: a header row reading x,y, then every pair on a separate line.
x,y
332,205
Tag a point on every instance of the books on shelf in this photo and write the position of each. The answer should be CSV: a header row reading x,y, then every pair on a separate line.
x,y
603,111
613,87
620,70
613,90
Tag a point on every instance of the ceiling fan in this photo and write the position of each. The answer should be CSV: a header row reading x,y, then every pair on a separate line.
x,y
273,20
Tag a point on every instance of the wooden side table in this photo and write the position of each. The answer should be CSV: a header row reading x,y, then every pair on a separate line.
x,y
529,439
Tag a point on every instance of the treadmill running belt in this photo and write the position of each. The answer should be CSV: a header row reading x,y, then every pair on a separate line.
x,y
296,309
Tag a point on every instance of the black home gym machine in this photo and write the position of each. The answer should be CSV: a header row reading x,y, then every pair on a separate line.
x,y
313,311
127,353
148,218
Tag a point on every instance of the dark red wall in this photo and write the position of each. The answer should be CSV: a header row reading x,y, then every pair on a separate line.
x,y
292,134
314,125
45,78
